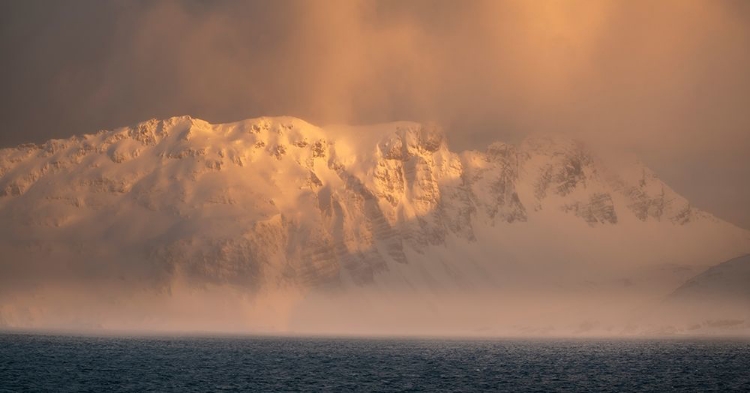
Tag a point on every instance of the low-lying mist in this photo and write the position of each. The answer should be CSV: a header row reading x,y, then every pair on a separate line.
x,y
522,310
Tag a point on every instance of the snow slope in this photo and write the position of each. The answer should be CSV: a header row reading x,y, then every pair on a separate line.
x,y
274,210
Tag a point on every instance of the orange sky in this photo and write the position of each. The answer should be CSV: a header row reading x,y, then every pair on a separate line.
x,y
665,79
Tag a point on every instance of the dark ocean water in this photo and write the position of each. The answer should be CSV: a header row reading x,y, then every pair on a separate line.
x,y
255,364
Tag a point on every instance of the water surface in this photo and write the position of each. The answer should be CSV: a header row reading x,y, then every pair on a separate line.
x,y
197,364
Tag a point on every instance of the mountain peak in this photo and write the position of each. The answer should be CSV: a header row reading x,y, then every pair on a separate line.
x,y
276,202
541,173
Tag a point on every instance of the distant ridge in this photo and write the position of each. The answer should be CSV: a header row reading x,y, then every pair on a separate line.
x,y
727,281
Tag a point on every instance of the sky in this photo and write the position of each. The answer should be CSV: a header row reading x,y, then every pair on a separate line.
x,y
667,80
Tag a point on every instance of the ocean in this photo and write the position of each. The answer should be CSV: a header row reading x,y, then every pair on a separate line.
x,y
59,363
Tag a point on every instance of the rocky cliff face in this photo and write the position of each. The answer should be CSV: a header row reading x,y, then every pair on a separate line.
x,y
277,202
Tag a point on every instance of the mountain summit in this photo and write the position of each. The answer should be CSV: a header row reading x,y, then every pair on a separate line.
x,y
274,206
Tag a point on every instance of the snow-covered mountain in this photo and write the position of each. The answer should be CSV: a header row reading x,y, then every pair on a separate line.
x,y
275,210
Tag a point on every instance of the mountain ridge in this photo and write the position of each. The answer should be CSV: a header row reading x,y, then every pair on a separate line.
x,y
277,204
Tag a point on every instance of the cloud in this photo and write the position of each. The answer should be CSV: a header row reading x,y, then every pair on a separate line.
x,y
666,79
